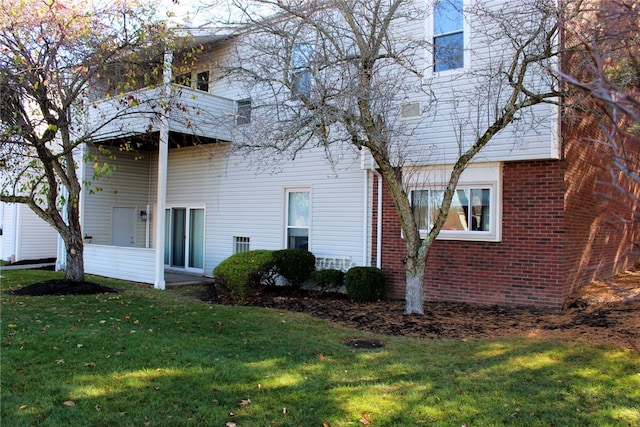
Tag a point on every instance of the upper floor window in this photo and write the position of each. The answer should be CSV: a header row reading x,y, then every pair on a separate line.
x,y
301,77
471,212
202,81
243,111
184,79
448,35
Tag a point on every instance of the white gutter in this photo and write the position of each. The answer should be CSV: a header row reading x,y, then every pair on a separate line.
x,y
379,222
371,166
14,238
163,160
366,260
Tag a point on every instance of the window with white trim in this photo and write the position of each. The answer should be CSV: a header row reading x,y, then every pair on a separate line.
x,y
184,79
241,244
448,35
202,81
301,78
243,112
298,219
472,214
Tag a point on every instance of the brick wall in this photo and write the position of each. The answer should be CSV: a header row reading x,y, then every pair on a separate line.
x,y
525,268
601,209
560,230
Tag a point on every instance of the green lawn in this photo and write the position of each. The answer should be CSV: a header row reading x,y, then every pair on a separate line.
x,y
145,357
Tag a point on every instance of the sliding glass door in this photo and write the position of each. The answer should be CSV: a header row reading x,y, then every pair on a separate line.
x,y
184,238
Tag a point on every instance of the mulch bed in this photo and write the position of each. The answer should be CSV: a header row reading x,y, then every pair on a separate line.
x,y
63,287
609,323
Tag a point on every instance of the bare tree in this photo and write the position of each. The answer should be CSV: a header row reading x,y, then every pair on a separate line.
x,y
337,73
52,56
604,70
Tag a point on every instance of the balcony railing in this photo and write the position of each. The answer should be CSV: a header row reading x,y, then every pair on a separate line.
x,y
188,111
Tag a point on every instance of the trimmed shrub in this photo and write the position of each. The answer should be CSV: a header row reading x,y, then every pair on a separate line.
x,y
365,284
244,272
295,265
328,279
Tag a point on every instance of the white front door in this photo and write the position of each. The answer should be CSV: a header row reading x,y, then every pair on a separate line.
x,y
122,226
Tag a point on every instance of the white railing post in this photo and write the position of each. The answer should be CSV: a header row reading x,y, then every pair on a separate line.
x,y
163,161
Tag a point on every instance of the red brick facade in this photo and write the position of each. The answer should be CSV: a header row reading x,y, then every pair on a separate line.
x,y
558,233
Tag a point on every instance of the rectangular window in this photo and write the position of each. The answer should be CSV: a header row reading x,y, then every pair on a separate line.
x,y
471,211
410,110
298,219
184,80
448,35
241,244
301,77
243,112
202,81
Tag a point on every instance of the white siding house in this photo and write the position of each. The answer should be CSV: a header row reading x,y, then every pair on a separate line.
x,y
189,188
185,198
215,201
24,235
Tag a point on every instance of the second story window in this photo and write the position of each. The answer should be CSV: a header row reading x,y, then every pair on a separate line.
x,y
202,81
184,80
448,35
243,112
300,70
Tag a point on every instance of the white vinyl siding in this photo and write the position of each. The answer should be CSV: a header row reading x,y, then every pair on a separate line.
x,y
127,187
244,197
132,264
25,236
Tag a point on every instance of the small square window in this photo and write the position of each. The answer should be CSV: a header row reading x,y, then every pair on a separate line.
x,y
202,81
241,244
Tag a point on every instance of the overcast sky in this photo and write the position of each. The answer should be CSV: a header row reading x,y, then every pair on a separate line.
x,y
195,13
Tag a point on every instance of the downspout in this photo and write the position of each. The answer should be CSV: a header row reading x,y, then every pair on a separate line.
x,y
163,157
147,228
379,221
14,237
366,257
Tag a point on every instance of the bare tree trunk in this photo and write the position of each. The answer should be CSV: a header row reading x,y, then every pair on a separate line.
x,y
73,240
74,270
414,285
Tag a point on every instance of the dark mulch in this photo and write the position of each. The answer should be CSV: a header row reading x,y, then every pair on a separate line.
x,y
35,261
597,320
63,287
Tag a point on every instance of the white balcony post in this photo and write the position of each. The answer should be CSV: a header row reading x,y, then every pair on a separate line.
x,y
163,160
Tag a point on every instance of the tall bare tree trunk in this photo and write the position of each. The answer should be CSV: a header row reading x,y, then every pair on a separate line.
x,y
414,282
74,270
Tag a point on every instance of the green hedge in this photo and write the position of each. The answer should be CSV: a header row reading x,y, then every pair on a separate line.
x,y
245,272
328,279
365,284
295,265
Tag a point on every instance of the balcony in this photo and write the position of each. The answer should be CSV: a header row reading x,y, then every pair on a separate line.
x,y
189,112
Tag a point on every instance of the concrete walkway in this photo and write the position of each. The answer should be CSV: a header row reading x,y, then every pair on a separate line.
x,y
171,277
